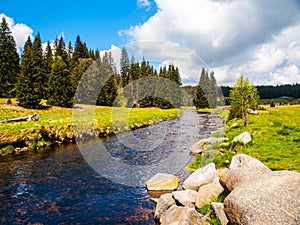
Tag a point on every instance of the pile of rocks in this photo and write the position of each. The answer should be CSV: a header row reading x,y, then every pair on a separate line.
x,y
179,207
256,195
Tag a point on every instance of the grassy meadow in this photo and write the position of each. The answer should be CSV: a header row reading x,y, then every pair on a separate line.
x,y
275,139
55,124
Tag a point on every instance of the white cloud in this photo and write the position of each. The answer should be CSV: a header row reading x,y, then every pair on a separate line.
x,y
144,3
19,31
257,38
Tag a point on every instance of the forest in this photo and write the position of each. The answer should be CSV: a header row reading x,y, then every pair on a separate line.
x,y
54,73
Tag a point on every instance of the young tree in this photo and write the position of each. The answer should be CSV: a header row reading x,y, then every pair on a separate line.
x,y
9,61
243,96
213,91
28,90
201,98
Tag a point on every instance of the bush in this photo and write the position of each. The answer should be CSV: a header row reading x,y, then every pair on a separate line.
x,y
272,104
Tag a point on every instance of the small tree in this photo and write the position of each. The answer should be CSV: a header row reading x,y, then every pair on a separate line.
x,y
243,96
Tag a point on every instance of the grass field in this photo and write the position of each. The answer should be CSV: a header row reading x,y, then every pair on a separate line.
x,y
55,124
276,139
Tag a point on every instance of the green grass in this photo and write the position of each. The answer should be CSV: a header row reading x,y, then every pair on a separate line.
x,y
55,124
276,139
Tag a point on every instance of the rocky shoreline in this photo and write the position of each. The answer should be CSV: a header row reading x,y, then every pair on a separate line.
x,y
254,195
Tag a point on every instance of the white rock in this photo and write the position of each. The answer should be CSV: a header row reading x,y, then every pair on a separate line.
x,y
185,197
164,203
244,137
200,177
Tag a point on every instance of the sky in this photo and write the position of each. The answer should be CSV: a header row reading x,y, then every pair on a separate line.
x,y
257,38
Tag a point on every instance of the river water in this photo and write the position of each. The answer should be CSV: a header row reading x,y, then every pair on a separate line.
x,y
71,186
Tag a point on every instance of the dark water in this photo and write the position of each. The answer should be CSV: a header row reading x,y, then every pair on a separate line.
x,y
60,187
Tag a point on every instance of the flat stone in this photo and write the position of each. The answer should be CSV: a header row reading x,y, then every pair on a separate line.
x,y
162,182
178,215
185,197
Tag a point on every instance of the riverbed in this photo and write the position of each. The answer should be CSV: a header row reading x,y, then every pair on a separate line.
x,y
74,185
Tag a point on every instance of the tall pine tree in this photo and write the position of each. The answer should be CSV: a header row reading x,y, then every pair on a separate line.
x,y
28,90
9,61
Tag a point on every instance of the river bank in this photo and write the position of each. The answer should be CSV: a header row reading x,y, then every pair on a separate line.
x,y
55,126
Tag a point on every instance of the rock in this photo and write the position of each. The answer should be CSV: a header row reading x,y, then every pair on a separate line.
x,y
207,192
154,200
162,182
185,197
218,209
244,138
164,203
200,177
271,199
178,215
199,147
251,111
242,169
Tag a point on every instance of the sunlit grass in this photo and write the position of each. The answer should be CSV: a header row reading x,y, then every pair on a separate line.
x,y
276,139
57,124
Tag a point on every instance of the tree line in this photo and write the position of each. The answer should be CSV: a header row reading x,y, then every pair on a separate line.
x,y
54,74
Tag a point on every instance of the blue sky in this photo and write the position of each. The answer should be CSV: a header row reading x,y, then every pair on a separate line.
x,y
259,38
97,22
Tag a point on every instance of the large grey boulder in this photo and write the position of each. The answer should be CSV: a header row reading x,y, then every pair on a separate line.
x,y
185,197
178,215
164,203
207,192
271,199
162,182
200,146
242,169
218,209
244,138
200,177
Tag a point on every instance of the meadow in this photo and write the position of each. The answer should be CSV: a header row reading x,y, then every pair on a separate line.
x,y
56,125
275,135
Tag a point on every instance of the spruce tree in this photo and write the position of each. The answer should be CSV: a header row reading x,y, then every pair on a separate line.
x,y
28,90
38,68
124,67
201,98
213,90
9,61
48,61
60,88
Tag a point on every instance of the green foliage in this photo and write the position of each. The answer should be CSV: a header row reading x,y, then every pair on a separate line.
x,y
60,89
9,61
207,91
28,86
272,104
243,96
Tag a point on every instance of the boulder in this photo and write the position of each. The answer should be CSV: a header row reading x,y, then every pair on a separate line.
x,y
244,138
200,177
218,209
199,147
178,215
164,203
271,199
162,182
207,192
251,111
185,198
242,169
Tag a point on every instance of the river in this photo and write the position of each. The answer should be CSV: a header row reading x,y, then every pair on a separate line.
x,y
65,186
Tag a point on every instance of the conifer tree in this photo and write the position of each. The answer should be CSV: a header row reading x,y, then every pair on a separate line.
x,y
201,98
48,61
213,91
124,67
9,61
60,88
60,50
38,67
28,90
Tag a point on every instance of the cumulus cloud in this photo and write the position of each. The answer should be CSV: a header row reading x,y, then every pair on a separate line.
x,y
19,31
259,38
